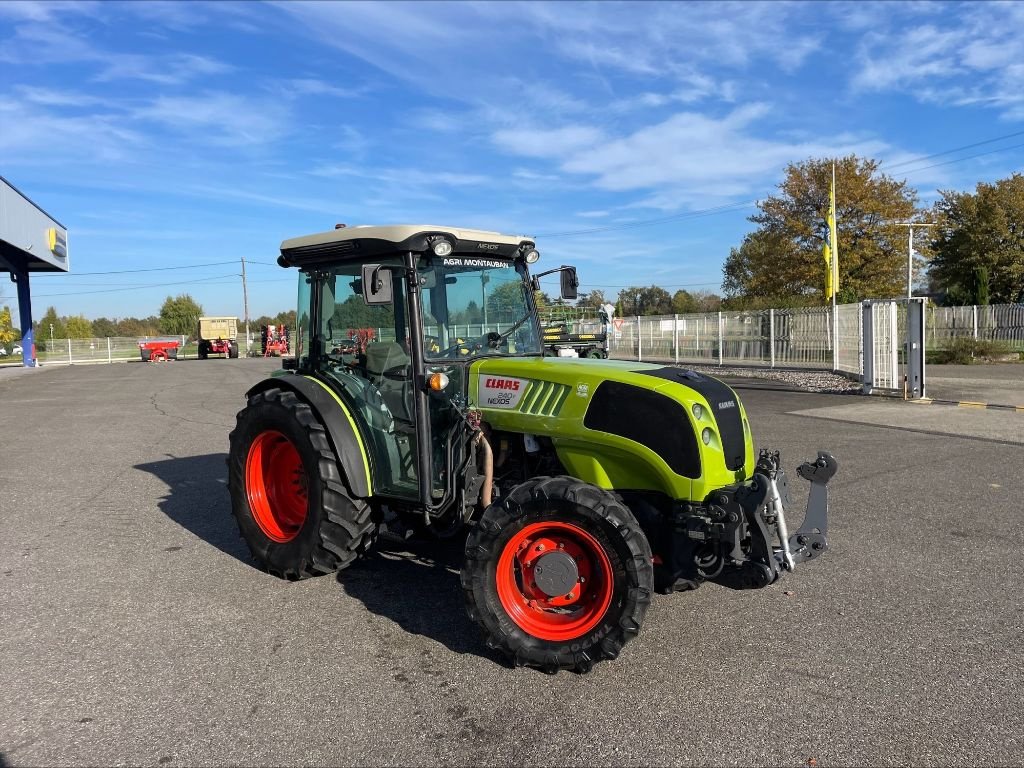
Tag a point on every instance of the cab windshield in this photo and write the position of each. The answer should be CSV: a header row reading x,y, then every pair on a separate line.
x,y
476,306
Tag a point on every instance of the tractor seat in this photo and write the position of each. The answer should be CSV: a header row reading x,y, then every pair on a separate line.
x,y
386,357
387,366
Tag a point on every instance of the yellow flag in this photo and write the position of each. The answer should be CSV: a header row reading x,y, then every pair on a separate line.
x,y
832,240
827,253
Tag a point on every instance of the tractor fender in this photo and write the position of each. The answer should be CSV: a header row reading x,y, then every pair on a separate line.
x,y
339,422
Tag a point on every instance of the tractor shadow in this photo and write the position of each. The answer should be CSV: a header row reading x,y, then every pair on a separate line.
x,y
415,584
197,500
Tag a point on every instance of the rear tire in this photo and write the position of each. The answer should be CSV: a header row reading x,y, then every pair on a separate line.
x,y
233,350
610,578
204,350
287,492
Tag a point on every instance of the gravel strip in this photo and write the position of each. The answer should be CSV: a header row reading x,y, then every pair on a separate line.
x,y
808,381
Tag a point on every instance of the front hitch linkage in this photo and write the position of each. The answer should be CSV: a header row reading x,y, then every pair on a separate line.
x,y
810,539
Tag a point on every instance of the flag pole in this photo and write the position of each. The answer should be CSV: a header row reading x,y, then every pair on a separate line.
x,y
834,234
834,237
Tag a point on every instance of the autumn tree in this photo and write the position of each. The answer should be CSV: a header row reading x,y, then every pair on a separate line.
x,y
782,258
180,315
8,334
78,327
978,245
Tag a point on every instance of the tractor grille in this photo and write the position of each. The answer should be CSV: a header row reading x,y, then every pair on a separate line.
x,y
543,398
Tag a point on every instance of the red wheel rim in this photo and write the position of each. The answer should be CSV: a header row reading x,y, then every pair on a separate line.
x,y
563,617
276,484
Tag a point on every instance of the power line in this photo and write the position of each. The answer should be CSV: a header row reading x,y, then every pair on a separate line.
x,y
957,149
969,157
152,269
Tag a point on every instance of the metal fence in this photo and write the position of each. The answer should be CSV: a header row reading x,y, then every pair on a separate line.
x,y
795,338
103,350
785,338
791,338
998,322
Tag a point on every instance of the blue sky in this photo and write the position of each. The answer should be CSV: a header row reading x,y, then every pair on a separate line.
x,y
175,134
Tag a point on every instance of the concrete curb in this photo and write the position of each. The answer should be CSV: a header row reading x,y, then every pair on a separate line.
x,y
968,404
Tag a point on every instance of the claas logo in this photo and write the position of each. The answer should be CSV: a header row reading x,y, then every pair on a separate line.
x,y
510,384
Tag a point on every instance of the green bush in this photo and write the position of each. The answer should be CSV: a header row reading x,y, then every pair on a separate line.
x,y
965,350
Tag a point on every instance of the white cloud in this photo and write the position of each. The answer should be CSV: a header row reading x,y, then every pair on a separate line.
x,y
35,136
409,177
969,57
552,143
314,87
687,159
218,118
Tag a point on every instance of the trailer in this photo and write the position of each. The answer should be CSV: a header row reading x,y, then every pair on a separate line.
x,y
158,350
218,336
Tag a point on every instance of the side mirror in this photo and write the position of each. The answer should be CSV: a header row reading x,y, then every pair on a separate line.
x,y
377,288
569,283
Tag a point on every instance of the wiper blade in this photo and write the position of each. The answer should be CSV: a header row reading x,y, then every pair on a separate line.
x,y
514,328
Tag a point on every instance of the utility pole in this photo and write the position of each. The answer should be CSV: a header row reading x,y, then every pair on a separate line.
x,y
910,253
245,299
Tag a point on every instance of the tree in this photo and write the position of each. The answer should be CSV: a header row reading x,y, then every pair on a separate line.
x,y
593,299
683,303
103,327
651,300
50,326
134,327
782,258
78,327
981,231
286,319
180,316
8,333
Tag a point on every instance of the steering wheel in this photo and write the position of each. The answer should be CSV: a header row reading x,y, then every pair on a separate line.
x,y
491,340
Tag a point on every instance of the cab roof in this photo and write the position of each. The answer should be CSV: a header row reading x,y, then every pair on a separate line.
x,y
361,243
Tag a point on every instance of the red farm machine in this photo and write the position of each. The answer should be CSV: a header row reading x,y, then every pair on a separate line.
x,y
159,350
274,340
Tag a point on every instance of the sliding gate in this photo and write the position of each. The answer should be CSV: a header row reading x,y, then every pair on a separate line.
x,y
894,347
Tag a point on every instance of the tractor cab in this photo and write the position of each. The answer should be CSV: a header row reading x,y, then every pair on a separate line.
x,y
391,318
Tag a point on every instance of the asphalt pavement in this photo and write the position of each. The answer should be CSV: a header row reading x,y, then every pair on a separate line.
x,y
134,629
997,383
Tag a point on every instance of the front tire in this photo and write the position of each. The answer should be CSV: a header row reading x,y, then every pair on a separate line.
x,y
287,492
233,351
558,575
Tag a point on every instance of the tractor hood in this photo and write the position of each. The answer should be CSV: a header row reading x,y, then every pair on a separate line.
x,y
621,424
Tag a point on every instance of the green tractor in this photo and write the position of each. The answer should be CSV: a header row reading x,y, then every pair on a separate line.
x,y
419,399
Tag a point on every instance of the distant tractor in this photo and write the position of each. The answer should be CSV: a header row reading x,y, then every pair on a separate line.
x,y
274,340
218,336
